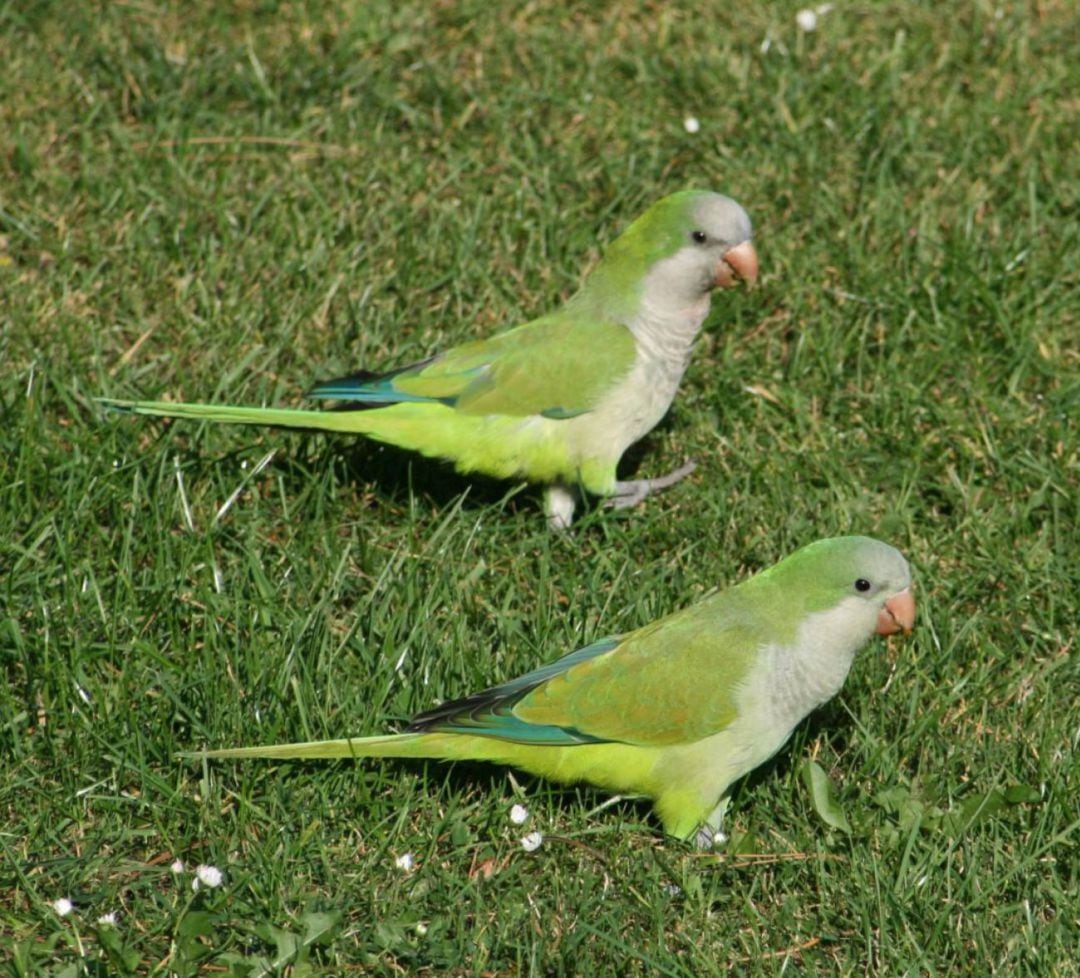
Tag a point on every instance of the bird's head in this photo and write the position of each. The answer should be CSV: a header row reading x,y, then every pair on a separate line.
x,y
681,248
865,581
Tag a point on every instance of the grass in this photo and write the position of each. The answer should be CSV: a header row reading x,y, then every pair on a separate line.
x,y
229,201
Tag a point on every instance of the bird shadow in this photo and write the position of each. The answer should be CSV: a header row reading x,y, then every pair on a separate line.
x,y
399,478
396,477
478,779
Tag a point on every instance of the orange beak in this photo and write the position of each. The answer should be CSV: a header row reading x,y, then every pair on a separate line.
x,y
898,615
739,264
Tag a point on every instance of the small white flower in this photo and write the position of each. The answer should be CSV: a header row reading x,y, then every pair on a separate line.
x,y
177,866
63,906
672,889
519,815
405,862
532,841
108,919
719,838
807,19
691,124
206,876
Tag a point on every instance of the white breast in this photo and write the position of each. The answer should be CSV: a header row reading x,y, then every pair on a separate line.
x,y
664,331
793,680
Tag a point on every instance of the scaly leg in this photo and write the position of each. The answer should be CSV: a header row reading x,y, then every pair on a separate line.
x,y
633,492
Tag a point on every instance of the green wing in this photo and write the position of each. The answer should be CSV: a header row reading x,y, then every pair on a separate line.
x,y
672,682
558,367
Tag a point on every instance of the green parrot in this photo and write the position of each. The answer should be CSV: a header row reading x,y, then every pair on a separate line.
x,y
681,708
557,400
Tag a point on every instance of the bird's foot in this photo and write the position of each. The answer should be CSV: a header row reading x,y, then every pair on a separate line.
x,y
706,838
631,493
711,834
559,504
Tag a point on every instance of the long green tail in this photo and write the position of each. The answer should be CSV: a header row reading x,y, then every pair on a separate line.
x,y
618,767
347,421
434,746
390,745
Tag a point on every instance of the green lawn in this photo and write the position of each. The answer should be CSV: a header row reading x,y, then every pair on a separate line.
x,y
229,201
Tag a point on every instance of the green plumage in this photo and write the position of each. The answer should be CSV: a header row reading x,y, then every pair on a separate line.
x,y
677,710
535,369
555,401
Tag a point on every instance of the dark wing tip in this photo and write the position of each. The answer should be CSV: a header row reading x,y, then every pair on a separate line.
x,y
453,711
342,388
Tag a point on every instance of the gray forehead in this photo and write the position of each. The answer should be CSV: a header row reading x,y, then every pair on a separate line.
x,y
891,562
723,218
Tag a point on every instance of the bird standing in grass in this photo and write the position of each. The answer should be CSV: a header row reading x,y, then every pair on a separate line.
x,y
680,709
557,400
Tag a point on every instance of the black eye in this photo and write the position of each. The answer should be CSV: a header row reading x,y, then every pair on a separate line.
x,y
700,237
862,584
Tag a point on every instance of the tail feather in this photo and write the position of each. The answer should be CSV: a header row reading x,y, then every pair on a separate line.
x,y
391,745
554,763
275,417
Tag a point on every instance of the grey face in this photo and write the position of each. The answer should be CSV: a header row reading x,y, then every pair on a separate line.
x,y
723,222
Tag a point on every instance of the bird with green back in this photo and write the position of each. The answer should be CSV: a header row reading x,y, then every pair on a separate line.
x,y
558,400
680,709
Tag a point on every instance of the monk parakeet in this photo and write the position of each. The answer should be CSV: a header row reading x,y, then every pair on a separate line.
x,y
558,400
680,709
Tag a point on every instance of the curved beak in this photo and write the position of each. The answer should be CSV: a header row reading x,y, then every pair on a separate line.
x,y
898,615
739,264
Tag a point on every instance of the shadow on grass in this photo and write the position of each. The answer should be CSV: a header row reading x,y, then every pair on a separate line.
x,y
396,476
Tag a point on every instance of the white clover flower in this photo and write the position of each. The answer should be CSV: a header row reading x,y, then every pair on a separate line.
x,y
63,906
807,19
405,862
177,866
532,841
519,815
691,124
205,875
108,919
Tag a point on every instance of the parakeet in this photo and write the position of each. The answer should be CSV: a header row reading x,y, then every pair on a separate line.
x,y
557,400
683,707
